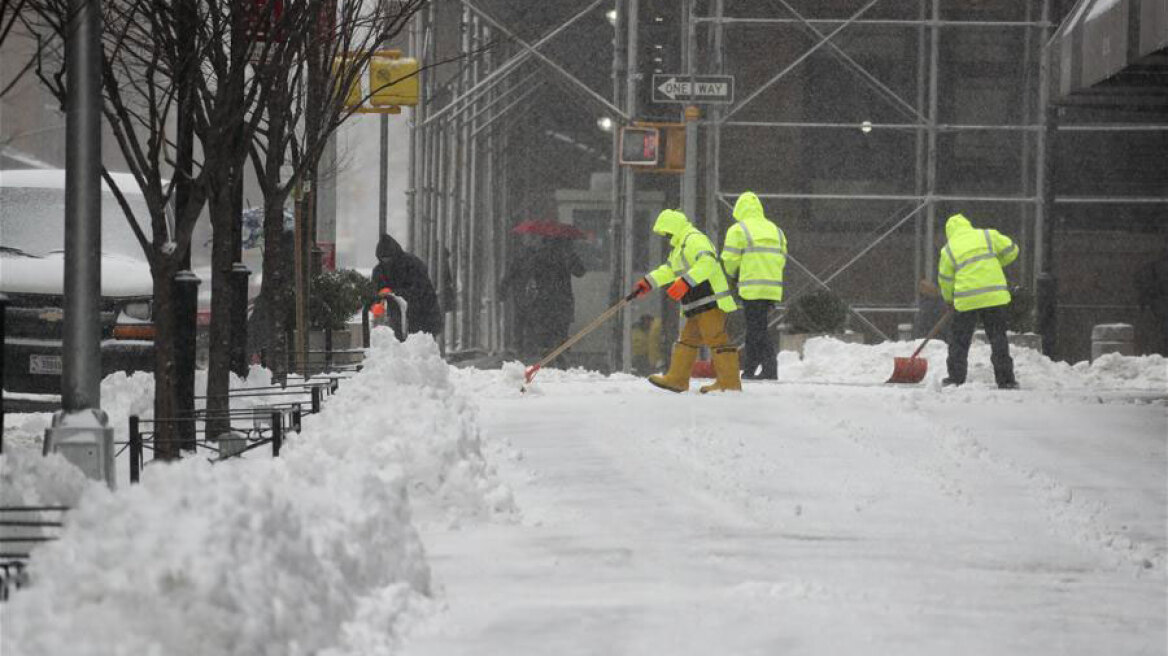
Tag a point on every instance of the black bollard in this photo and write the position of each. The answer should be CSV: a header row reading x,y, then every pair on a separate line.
x,y
239,275
186,320
3,313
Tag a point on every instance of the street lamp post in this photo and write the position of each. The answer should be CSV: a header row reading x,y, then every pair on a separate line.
x,y
80,430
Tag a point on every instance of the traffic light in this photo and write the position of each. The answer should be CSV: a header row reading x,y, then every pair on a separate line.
x,y
393,81
654,147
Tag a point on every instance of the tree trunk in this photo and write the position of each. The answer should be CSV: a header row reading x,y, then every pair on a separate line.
x,y
275,287
166,445
219,342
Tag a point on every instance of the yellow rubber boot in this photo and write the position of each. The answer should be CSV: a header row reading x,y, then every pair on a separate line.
x,y
680,366
726,370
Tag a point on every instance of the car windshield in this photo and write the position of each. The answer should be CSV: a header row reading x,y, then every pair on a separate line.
x,y
32,219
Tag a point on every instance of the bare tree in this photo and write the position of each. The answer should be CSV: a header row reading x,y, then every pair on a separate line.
x,y
181,71
307,103
147,59
233,98
10,14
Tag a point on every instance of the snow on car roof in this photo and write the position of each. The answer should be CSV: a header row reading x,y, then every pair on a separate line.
x,y
55,179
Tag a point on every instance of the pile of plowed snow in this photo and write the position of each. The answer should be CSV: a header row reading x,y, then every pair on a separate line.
x,y
314,552
830,360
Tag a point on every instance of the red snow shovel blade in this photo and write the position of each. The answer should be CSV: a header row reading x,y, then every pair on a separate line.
x,y
528,374
908,370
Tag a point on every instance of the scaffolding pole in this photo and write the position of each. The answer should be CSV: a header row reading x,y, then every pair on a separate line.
x,y
624,271
931,148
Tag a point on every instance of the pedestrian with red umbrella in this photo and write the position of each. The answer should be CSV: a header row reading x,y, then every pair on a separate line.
x,y
538,283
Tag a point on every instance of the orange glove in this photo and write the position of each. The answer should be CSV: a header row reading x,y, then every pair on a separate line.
x,y
378,310
643,287
384,291
678,289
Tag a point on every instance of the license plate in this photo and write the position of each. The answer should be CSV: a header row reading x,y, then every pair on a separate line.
x,y
44,364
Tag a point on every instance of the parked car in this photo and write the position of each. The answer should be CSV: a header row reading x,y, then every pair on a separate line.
x,y
32,258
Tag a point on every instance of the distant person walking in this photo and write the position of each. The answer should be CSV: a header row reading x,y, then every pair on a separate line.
x,y
539,283
972,280
755,252
404,275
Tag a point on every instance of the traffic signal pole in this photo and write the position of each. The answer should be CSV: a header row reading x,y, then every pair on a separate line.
x,y
80,430
630,181
689,180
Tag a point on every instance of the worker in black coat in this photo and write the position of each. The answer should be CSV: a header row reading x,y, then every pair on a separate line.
x,y
405,276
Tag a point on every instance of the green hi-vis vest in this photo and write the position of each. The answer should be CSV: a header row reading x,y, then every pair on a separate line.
x,y
755,251
694,260
970,271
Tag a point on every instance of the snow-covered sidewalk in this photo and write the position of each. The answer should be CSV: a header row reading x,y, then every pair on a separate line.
x,y
800,518
430,510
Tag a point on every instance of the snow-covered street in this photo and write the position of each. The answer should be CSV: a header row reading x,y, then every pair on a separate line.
x,y
431,510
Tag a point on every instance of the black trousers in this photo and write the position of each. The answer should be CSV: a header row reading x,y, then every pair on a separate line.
x,y
760,350
994,321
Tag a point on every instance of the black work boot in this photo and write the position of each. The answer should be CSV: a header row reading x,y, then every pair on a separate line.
x,y
769,370
951,382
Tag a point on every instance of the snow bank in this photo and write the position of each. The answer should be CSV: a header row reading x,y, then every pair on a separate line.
x,y
830,360
508,381
404,407
827,360
310,553
29,479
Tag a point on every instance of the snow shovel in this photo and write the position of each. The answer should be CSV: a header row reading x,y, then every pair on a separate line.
x,y
604,316
913,369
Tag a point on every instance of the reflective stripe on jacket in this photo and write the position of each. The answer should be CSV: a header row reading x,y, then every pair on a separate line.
x,y
693,259
970,271
755,251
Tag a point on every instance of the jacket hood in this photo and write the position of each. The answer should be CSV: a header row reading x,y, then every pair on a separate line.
x,y
388,248
670,223
748,207
957,223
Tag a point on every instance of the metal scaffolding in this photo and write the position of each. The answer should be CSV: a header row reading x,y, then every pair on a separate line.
x,y
462,167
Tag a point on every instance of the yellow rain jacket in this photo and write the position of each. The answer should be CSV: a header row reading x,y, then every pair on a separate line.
x,y
970,271
694,260
755,251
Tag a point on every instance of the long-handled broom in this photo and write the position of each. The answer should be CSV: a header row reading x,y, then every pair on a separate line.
x,y
530,372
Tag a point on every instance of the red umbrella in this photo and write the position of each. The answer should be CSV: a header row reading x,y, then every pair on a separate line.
x,y
552,229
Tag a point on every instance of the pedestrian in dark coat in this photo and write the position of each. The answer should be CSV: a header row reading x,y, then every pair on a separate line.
x,y
405,275
539,281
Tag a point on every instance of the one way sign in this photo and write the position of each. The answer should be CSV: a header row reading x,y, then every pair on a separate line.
x,y
677,88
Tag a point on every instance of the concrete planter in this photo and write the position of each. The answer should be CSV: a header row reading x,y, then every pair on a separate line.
x,y
1112,338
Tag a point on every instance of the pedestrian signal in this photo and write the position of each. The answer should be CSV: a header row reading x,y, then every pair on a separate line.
x,y
640,146
655,147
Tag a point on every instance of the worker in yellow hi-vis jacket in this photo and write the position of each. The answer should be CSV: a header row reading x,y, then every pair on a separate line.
x,y
695,279
755,253
972,280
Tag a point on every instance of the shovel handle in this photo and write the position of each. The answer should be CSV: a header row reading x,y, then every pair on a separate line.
x,y
933,333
